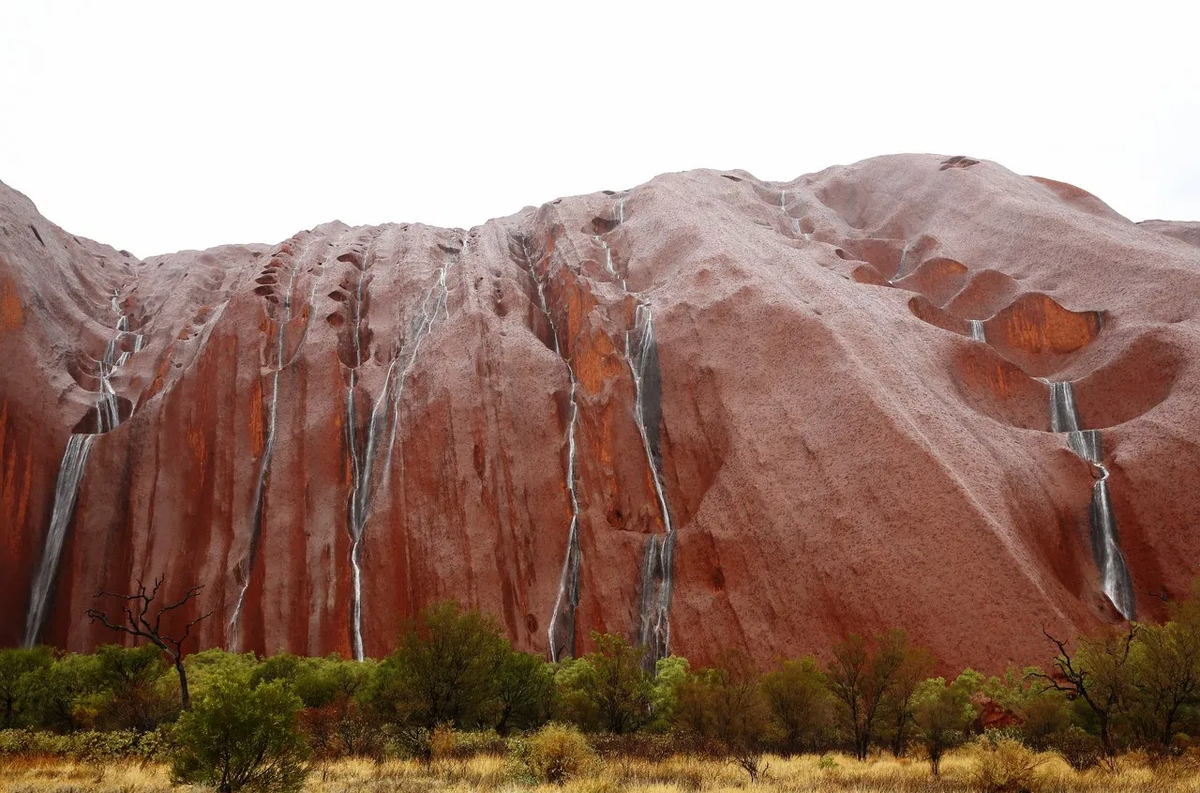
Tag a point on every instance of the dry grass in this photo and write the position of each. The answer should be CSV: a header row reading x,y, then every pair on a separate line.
x,y
56,775
811,774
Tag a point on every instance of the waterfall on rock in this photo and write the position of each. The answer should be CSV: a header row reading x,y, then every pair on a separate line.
x,y
978,332
654,629
641,355
641,352
264,469
903,260
70,474
1106,548
561,630
66,490
1063,416
385,418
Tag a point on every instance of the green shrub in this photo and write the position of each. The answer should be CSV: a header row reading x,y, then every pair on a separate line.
x,y
1045,716
557,753
607,690
137,689
15,664
238,738
445,671
62,695
481,742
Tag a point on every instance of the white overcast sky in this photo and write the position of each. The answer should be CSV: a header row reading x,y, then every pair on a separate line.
x,y
158,126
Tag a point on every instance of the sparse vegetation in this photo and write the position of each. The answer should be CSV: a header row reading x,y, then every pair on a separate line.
x,y
456,708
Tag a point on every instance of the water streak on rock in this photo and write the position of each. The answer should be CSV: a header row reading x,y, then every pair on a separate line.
x,y
1106,547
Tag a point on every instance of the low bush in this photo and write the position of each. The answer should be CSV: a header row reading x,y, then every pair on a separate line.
x,y
1008,768
87,745
1081,750
557,753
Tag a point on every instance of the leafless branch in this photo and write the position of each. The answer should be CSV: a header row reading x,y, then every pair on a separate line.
x,y
147,627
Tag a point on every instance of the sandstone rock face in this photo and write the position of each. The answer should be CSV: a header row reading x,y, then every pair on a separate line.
x,y
706,412
1186,231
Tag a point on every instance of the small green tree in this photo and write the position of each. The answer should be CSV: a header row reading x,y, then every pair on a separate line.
x,y
798,695
943,714
238,738
618,687
445,670
862,677
572,703
1045,717
525,687
669,674
1099,675
916,664
725,704
15,663
1166,674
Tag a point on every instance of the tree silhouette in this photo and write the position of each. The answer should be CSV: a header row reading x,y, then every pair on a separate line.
x,y
137,622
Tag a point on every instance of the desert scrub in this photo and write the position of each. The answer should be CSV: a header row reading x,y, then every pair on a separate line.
x,y
1008,768
555,754
87,745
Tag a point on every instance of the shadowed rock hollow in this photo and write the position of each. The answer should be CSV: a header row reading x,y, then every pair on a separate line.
x,y
706,412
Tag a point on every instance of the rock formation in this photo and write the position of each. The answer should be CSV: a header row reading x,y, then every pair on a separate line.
x,y
706,412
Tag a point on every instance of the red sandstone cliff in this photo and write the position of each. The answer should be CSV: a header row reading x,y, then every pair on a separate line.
x,y
834,450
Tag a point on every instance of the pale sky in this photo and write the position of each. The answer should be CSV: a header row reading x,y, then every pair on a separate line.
x,y
159,126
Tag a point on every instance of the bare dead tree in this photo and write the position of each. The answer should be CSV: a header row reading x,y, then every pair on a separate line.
x,y
138,622
1099,673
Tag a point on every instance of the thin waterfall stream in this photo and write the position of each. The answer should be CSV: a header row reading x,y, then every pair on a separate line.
x,y
385,417
70,474
264,467
657,572
903,262
561,630
641,353
1106,547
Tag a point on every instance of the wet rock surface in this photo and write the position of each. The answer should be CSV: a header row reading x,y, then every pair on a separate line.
x,y
705,412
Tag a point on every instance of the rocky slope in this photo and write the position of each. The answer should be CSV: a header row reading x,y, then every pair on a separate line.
x,y
706,412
